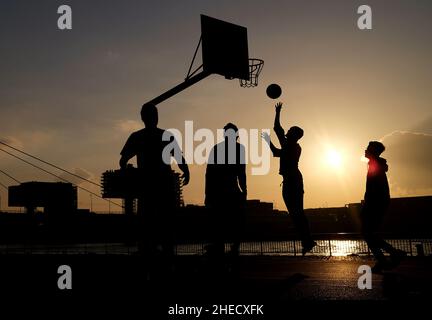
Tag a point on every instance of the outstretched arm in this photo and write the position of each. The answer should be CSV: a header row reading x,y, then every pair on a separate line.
x,y
276,151
278,108
277,126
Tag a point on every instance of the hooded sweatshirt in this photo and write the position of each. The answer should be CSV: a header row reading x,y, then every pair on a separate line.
x,y
377,188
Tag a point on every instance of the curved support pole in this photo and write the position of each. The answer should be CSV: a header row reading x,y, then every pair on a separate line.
x,y
186,84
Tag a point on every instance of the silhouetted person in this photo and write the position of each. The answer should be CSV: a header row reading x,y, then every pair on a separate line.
x,y
292,185
376,201
226,191
157,202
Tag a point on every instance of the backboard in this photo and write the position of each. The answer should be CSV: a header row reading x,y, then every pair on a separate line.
x,y
224,48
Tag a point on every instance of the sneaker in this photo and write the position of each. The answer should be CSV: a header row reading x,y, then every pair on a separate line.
x,y
308,247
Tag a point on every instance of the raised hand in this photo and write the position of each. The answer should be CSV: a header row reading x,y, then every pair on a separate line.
x,y
278,106
266,137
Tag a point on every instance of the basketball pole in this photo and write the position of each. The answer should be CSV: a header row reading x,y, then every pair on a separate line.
x,y
180,87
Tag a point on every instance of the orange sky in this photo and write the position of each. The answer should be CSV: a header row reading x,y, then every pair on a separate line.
x,y
73,97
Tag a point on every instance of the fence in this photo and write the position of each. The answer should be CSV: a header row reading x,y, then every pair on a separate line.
x,y
326,247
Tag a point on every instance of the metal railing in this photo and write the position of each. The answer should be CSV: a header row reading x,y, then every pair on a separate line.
x,y
325,247
328,247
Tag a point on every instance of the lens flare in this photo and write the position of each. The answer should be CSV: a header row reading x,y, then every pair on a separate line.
x,y
334,159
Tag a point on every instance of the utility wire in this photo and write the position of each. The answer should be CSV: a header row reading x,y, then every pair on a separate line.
x,y
9,176
4,186
50,164
58,177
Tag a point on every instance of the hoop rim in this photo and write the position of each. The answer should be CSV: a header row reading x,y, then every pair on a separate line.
x,y
255,67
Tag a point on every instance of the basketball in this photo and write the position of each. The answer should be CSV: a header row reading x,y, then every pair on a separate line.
x,y
274,91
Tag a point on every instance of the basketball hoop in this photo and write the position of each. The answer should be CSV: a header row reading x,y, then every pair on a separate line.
x,y
255,67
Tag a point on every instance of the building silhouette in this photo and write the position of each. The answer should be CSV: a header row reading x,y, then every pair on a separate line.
x,y
127,185
409,217
57,198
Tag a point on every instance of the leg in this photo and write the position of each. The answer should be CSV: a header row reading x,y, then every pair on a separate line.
x,y
216,242
167,237
294,202
370,220
396,255
372,241
237,229
141,230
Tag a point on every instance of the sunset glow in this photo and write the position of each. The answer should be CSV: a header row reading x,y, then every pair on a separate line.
x,y
343,86
334,159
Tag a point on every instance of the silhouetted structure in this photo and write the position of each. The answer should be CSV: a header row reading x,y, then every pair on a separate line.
x,y
225,52
126,185
57,198
407,218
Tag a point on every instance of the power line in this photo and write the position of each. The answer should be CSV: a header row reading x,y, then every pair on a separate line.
x,y
58,177
50,164
4,186
9,176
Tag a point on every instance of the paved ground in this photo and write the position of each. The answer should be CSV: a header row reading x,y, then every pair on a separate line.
x,y
277,282
337,278
315,278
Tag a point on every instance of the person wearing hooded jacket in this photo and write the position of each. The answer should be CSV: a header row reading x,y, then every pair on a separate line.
x,y
376,202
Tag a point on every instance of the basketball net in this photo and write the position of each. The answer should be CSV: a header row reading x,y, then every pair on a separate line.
x,y
255,67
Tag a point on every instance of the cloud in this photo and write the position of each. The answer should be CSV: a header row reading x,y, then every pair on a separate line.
x,y
425,126
13,142
30,139
39,138
410,158
75,180
128,125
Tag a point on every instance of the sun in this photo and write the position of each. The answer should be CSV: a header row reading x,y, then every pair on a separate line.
x,y
334,159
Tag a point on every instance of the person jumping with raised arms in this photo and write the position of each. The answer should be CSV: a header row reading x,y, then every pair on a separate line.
x,y
292,185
